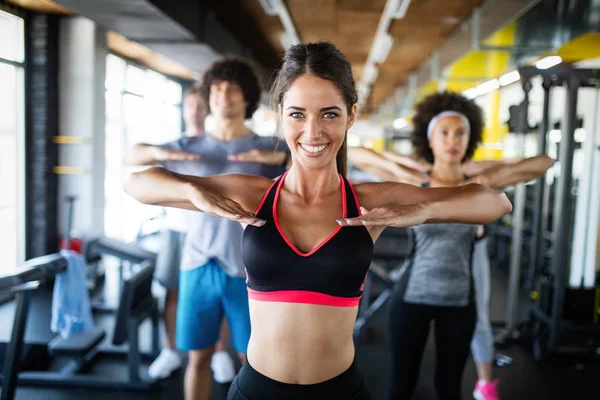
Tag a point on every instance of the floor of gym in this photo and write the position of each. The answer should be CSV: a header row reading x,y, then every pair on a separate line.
x,y
524,379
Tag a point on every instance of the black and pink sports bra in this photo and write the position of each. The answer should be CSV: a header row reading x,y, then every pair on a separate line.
x,y
332,274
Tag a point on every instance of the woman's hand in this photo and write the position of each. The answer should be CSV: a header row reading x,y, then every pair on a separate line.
x,y
486,178
408,175
214,204
401,216
421,166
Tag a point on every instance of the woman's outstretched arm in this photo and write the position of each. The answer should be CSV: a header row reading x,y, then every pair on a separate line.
x,y
401,205
228,195
503,175
384,167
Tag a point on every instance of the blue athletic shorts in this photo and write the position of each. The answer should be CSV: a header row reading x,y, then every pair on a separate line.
x,y
206,294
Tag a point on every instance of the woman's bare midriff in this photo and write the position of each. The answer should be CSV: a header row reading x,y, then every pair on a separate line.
x,y
300,343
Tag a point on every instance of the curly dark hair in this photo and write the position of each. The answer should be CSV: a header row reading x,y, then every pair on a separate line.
x,y
436,103
237,70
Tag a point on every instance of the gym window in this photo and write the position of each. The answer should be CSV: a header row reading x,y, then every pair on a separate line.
x,y
12,148
142,106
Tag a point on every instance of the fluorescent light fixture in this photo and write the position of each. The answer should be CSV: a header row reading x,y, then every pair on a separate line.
x,y
400,123
487,86
286,21
401,8
269,6
470,93
548,62
363,93
286,41
278,8
370,74
381,48
363,87
509,77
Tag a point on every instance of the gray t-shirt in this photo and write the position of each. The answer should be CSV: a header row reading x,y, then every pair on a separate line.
x,y
211,237
439,271
175,219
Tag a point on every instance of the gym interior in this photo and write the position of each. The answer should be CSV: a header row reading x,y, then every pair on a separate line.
x,y
83,81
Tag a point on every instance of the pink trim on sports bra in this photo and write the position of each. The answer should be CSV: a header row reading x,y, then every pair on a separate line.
x,y
282,233
264,198
355,198
304,297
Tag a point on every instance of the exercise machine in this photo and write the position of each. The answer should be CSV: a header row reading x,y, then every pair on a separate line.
x,y
81,351
552,328
391,250
127,254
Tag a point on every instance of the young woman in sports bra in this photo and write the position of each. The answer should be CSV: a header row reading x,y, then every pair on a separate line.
x,y
308,241
439,282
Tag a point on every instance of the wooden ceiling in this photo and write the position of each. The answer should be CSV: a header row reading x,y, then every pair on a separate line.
x,y
352,24
120,45
46,6
117,43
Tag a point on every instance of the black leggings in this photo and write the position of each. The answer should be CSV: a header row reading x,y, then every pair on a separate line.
x,y
250,384
409,328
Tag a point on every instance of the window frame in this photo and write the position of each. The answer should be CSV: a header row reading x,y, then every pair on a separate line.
x,y
20,133
122,121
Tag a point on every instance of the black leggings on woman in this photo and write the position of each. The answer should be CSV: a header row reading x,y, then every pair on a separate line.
x,y
409,328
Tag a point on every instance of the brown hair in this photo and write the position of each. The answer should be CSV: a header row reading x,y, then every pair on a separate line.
x,y
322,60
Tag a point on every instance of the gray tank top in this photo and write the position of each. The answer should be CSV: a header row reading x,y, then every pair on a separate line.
x,y
439,271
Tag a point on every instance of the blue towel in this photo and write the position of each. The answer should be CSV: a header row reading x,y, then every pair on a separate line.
x,y
71,307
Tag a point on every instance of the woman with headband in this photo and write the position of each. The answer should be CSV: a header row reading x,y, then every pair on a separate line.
x,y
437,283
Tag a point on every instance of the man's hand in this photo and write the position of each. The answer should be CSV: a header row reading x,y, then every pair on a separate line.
x,y
267,157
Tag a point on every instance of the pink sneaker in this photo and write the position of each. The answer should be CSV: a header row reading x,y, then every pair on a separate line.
x,y
486,391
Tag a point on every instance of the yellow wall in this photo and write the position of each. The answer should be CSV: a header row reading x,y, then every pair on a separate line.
x,y
477,66
481,65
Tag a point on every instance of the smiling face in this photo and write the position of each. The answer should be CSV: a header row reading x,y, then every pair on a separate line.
x,y
227,100
449,140
315,120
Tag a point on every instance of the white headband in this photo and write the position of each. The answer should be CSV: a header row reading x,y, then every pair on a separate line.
x,y
443,114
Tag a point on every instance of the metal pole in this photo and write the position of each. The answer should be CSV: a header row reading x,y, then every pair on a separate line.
x,y
518,216
71,204
13,357
133,356
155,337
537,233
564,205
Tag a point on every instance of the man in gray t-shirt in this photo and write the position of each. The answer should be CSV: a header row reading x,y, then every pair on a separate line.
x,y
174,230
187,236
212,282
